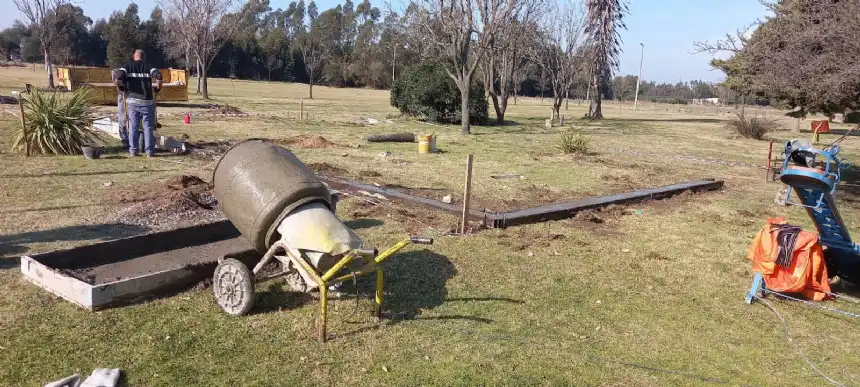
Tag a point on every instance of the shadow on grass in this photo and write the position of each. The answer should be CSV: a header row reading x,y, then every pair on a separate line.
x,y
95,173
669,120
359,224
40,209
14,244
275,299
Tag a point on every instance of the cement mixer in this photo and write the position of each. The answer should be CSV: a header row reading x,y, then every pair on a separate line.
x,y
287,214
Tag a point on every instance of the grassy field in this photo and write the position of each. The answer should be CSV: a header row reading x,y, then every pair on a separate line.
x,y
652,299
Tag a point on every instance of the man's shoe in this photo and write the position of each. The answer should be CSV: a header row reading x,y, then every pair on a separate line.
x,y
133,154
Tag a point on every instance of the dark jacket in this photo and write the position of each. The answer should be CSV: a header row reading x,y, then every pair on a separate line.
x,y
138,80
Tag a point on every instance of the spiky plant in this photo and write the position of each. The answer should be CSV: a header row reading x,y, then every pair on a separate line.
x,y
573,143
57,123
603,24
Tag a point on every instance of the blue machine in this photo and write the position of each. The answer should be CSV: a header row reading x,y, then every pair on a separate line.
x,y
813,175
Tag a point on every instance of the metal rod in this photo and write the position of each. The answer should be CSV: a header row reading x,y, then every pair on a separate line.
x,y
24,124
339,265
639,78
379,286
467,194
769,155
324,316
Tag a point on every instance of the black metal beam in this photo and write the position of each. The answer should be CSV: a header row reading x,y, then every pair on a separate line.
x,y
569,209
535,214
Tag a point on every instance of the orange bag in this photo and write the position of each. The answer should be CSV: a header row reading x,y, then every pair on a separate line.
x,y
807,273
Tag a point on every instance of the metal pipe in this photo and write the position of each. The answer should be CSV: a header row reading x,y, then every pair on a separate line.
x,y
339,265
379,286
639,78
324,316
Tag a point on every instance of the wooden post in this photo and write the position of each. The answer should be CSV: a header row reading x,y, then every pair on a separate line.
x,y
24,124
464,223
302,109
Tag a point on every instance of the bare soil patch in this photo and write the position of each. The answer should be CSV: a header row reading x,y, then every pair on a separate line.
x,y
179,201
306,141
326,169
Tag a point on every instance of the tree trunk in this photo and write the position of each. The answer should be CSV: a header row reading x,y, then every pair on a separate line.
x,y
202,76
311,86
556,108
465,128
515,97
500,113
198,76
595,112
270,75
49,68
566,100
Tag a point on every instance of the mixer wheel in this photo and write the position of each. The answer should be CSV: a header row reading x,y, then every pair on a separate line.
x,y
233,285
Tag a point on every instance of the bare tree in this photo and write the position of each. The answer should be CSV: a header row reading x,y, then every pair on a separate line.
x,y
462,32
520,75
176,32
312,55
559,51
505,57
206,25
603,24
45,22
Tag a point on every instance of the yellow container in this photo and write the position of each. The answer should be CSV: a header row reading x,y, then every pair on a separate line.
x,y
427,144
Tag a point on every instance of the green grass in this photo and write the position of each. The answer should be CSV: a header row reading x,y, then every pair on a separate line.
x,y
501,307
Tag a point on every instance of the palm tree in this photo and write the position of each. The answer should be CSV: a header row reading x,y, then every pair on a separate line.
x,y
603,24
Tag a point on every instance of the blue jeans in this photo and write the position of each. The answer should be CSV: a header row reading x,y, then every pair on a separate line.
x,y
146,114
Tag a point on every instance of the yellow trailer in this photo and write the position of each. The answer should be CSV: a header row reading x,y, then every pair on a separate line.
x,y
175,83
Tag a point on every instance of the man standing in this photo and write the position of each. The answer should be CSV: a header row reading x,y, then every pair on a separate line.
x,y
140,102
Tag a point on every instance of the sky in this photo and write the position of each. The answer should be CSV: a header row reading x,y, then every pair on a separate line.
x,y
667,28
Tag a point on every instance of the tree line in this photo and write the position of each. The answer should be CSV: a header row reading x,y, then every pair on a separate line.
x,y
558,50
800,56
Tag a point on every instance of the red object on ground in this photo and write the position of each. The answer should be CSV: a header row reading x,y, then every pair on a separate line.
x,y
187,118
822,126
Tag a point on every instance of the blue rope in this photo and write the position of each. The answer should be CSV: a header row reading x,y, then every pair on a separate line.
x,y
812,304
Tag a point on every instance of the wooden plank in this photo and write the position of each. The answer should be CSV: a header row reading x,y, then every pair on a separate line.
x,y
467,196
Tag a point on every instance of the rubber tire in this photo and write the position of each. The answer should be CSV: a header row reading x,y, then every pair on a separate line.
x,y
245,286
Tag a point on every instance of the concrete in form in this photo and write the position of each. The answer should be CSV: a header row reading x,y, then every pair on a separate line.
x,y
124,271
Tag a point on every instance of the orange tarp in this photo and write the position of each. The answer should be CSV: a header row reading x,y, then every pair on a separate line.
x,y
807,273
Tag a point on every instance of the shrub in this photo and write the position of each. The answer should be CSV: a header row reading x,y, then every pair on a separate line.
x,y
57,123
752,127
573,143
427,91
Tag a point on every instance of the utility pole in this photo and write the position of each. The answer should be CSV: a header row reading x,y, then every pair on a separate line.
x,y
639,79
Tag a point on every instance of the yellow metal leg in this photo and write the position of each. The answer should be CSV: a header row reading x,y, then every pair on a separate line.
x,y
379,285
324,315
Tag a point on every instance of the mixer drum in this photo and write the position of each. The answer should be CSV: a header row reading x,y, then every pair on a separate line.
x,y
258,184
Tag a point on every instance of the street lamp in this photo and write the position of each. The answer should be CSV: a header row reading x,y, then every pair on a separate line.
x,y
639,79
